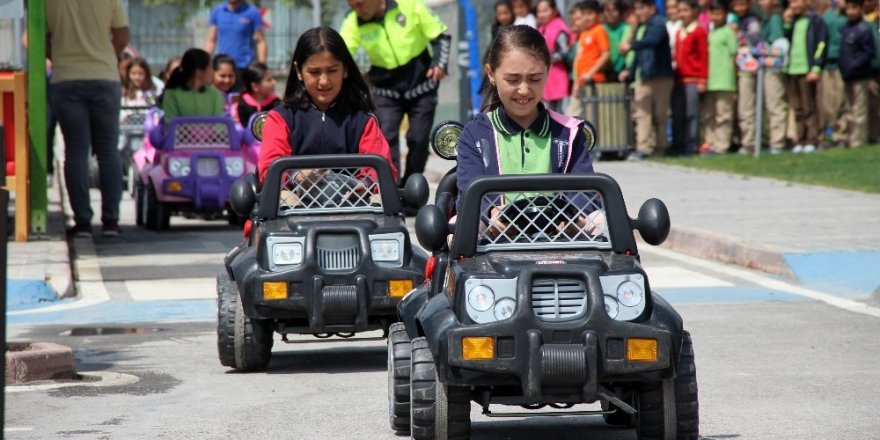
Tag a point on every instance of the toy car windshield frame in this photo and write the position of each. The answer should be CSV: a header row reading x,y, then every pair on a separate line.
x,y
270,195
465,239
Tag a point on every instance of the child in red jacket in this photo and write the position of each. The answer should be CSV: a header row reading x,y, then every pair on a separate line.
x,y
692,59
327,107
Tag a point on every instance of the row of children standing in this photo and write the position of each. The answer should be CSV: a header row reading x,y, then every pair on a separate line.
x,y
701,60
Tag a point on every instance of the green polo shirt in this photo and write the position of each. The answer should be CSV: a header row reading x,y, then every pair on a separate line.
x,y
522,150
182,102
835,21
722,50
616,35
772,28
799,59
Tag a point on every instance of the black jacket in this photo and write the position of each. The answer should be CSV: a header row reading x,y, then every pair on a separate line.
x,y
856,50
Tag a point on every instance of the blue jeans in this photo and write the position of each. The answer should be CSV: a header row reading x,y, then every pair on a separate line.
x,y
88,113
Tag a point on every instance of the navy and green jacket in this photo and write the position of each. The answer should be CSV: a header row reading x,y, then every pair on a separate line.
x,y
817,40
483,137
653,57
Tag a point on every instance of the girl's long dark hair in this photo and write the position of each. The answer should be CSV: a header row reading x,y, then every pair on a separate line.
x,y
192,60
521,37
495,24
355,93
253,74
130,91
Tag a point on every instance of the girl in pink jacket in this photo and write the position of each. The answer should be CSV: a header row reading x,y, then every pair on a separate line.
x,y
559,39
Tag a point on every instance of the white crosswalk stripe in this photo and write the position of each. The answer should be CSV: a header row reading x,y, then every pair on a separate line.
x,y
172,289
661,277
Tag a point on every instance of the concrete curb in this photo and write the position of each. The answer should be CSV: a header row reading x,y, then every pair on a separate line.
x,y
27,362
69,282
726,249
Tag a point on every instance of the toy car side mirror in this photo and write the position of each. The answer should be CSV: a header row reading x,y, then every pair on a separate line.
x,y
243,194
257,122
653,222
590,135
415,191
444,139
432,227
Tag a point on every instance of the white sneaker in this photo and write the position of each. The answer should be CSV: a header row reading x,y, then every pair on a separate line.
x,y
809,148
775,151
798,149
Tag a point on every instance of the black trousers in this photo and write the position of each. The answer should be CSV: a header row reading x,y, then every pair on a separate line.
x,y
421,116
685,119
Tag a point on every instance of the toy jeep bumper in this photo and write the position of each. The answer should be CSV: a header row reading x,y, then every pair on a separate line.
x,y
336,288
549,361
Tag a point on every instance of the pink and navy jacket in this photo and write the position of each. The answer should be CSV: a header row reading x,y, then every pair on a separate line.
x,y
479,144
297,132
558,39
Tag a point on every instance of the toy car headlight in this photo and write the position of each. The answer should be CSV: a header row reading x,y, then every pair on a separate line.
x,y
287,254
385,250
504,308
178,166
611,306
234,166
630,293
481,298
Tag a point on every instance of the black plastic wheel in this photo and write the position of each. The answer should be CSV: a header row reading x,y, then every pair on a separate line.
x,y
243,343
687,405
138,201
669,410
227,297
437,411
399,349
157,215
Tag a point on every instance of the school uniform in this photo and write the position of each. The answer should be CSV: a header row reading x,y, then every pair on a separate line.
x,y
809,37
857,50
652,71
720,100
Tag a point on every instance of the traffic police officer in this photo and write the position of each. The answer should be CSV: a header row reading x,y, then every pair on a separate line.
x,y
409,52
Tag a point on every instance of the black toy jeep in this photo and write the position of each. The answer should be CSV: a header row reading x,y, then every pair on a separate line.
x,y
539,300
326,252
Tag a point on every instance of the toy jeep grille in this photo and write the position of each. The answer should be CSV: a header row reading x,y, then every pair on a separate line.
x,y
559,300
337,251
316,191
201,135
573,219
208,166
132,121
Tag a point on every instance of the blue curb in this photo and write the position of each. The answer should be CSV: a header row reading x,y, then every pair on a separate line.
x,y
29,294
121,312
846,274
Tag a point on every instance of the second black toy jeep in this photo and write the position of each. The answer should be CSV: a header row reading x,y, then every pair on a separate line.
x,y
539,300
326,253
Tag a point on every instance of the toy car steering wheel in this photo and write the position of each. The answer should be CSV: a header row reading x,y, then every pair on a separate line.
x,y
330,190
537,215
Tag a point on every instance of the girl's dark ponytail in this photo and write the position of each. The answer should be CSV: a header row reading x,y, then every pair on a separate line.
x,y
192,60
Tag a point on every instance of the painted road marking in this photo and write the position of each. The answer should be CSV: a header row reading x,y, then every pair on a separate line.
x,y
768,282
182,259
172,289
675,277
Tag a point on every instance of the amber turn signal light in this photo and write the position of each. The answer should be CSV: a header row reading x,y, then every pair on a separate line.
x,y
641,350
274,290
399,288
478,348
